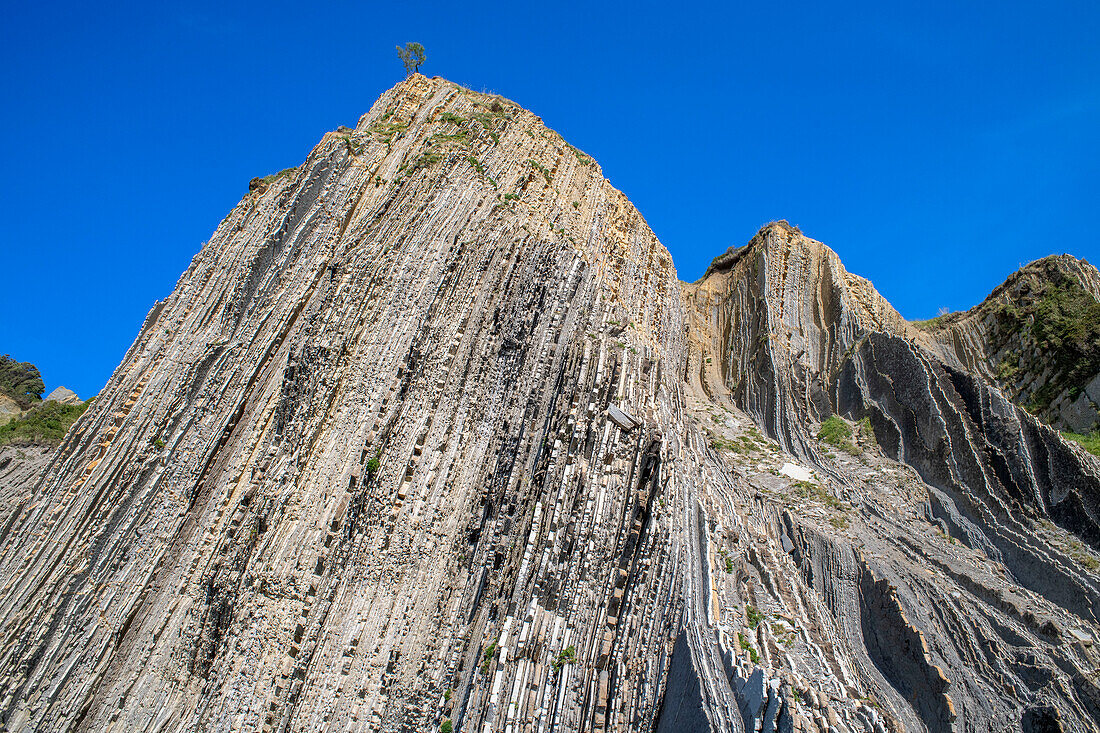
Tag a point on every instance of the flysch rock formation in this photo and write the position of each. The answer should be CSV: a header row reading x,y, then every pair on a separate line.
x,y
430,436
997,340
960,579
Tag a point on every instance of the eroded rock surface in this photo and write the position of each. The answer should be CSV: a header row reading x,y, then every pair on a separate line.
x,y
64,395
1037,337
430,431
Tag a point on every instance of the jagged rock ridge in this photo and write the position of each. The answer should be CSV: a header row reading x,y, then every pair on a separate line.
x,y
430,431
1037,337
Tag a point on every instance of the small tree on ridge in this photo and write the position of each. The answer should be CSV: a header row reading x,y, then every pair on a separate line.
x,y
412,55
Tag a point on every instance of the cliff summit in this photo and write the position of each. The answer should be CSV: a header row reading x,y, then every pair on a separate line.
x,y
429,436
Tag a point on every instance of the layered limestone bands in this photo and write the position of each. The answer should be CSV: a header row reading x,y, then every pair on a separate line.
x,y
773,321
1036,337
357,471
780,330
429,435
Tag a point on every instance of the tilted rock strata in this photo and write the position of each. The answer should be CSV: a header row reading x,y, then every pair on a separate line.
x,y
996,339
213,549
21,468
430,431
783,332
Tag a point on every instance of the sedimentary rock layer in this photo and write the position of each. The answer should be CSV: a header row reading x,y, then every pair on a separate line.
x,y
429,431
781,331
1035,337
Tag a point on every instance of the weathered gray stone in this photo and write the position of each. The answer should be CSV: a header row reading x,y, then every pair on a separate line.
x,y
363,470
64,395
753,697
620,418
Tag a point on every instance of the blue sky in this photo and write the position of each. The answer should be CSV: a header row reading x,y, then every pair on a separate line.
x,y
936,146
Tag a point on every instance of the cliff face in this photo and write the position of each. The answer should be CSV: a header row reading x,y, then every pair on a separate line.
x,y
1037,337
943,478
357,471
430,431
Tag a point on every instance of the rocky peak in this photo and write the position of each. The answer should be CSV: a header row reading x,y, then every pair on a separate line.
x,y
64,395
784,310
429,436
1037,336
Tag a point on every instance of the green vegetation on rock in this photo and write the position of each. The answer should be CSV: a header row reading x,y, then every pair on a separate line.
x,y
754,616
930,324
412,56
753,654
867,432
1091,443
46,424
810,490
487,656
374,464
281,174
1064,320
836,432
20,381
566,656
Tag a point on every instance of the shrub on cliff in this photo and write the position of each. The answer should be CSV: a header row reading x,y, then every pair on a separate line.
x,y
20,381
836,432
412,55
44,425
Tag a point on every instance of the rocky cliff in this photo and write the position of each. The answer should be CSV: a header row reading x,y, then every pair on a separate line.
x,y
1037,337
430,436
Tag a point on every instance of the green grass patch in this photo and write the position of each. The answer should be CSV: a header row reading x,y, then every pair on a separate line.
x,y
836,432
727,560
582,157
353,146
485,119
721,444
387,132
568,655
744,641
929,325
753,615
1078,552
866,432
46,424
426,159
810,490
374,464
269,179
461,137
545,173
1090,442
487,655
476,164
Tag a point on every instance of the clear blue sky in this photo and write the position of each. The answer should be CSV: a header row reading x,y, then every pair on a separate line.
x,y
936,146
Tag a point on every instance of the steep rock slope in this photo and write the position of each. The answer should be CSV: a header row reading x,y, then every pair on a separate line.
x,y
429,431
357,472
783,332
1037,336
